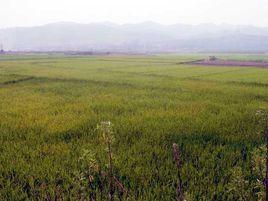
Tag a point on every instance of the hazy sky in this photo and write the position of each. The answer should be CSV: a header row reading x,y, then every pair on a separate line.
x,y
37,12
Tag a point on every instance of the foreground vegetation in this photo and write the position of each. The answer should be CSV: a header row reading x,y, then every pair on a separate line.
x,y
51,147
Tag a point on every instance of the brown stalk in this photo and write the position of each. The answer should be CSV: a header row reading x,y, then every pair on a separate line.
x,y
120,186
117,183
111,177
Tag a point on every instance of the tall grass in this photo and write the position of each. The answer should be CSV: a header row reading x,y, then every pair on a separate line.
x,y
48,121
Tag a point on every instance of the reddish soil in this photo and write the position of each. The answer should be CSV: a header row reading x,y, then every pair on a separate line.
x,y
219,62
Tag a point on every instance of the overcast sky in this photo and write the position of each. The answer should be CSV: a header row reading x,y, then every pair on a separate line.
x,y
37,12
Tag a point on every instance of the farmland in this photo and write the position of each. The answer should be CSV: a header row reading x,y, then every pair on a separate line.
x,y
51,106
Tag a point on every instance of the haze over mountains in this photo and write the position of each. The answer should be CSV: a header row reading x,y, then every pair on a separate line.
x,y
141,37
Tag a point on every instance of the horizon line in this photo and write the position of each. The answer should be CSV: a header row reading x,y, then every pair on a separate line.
x,y
132,23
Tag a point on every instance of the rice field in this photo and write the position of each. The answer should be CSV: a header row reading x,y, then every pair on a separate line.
x,y
51,105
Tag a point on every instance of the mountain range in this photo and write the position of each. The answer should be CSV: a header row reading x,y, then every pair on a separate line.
x,y
139,37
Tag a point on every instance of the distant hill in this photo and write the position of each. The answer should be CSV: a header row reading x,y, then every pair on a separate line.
x,y
141,37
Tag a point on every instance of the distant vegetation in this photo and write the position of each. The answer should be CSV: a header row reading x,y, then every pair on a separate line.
x,y
53,149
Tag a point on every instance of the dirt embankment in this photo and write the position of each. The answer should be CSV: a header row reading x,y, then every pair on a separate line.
x,y
221,62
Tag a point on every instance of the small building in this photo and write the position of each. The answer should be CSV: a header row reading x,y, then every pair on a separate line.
x,y
212,58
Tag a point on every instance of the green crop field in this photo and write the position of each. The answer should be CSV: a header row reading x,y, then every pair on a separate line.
x,y
51,148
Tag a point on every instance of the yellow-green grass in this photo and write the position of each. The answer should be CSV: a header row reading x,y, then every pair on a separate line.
x,y
50,107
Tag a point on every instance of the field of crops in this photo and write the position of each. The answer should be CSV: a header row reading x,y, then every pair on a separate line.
x,y
51,148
